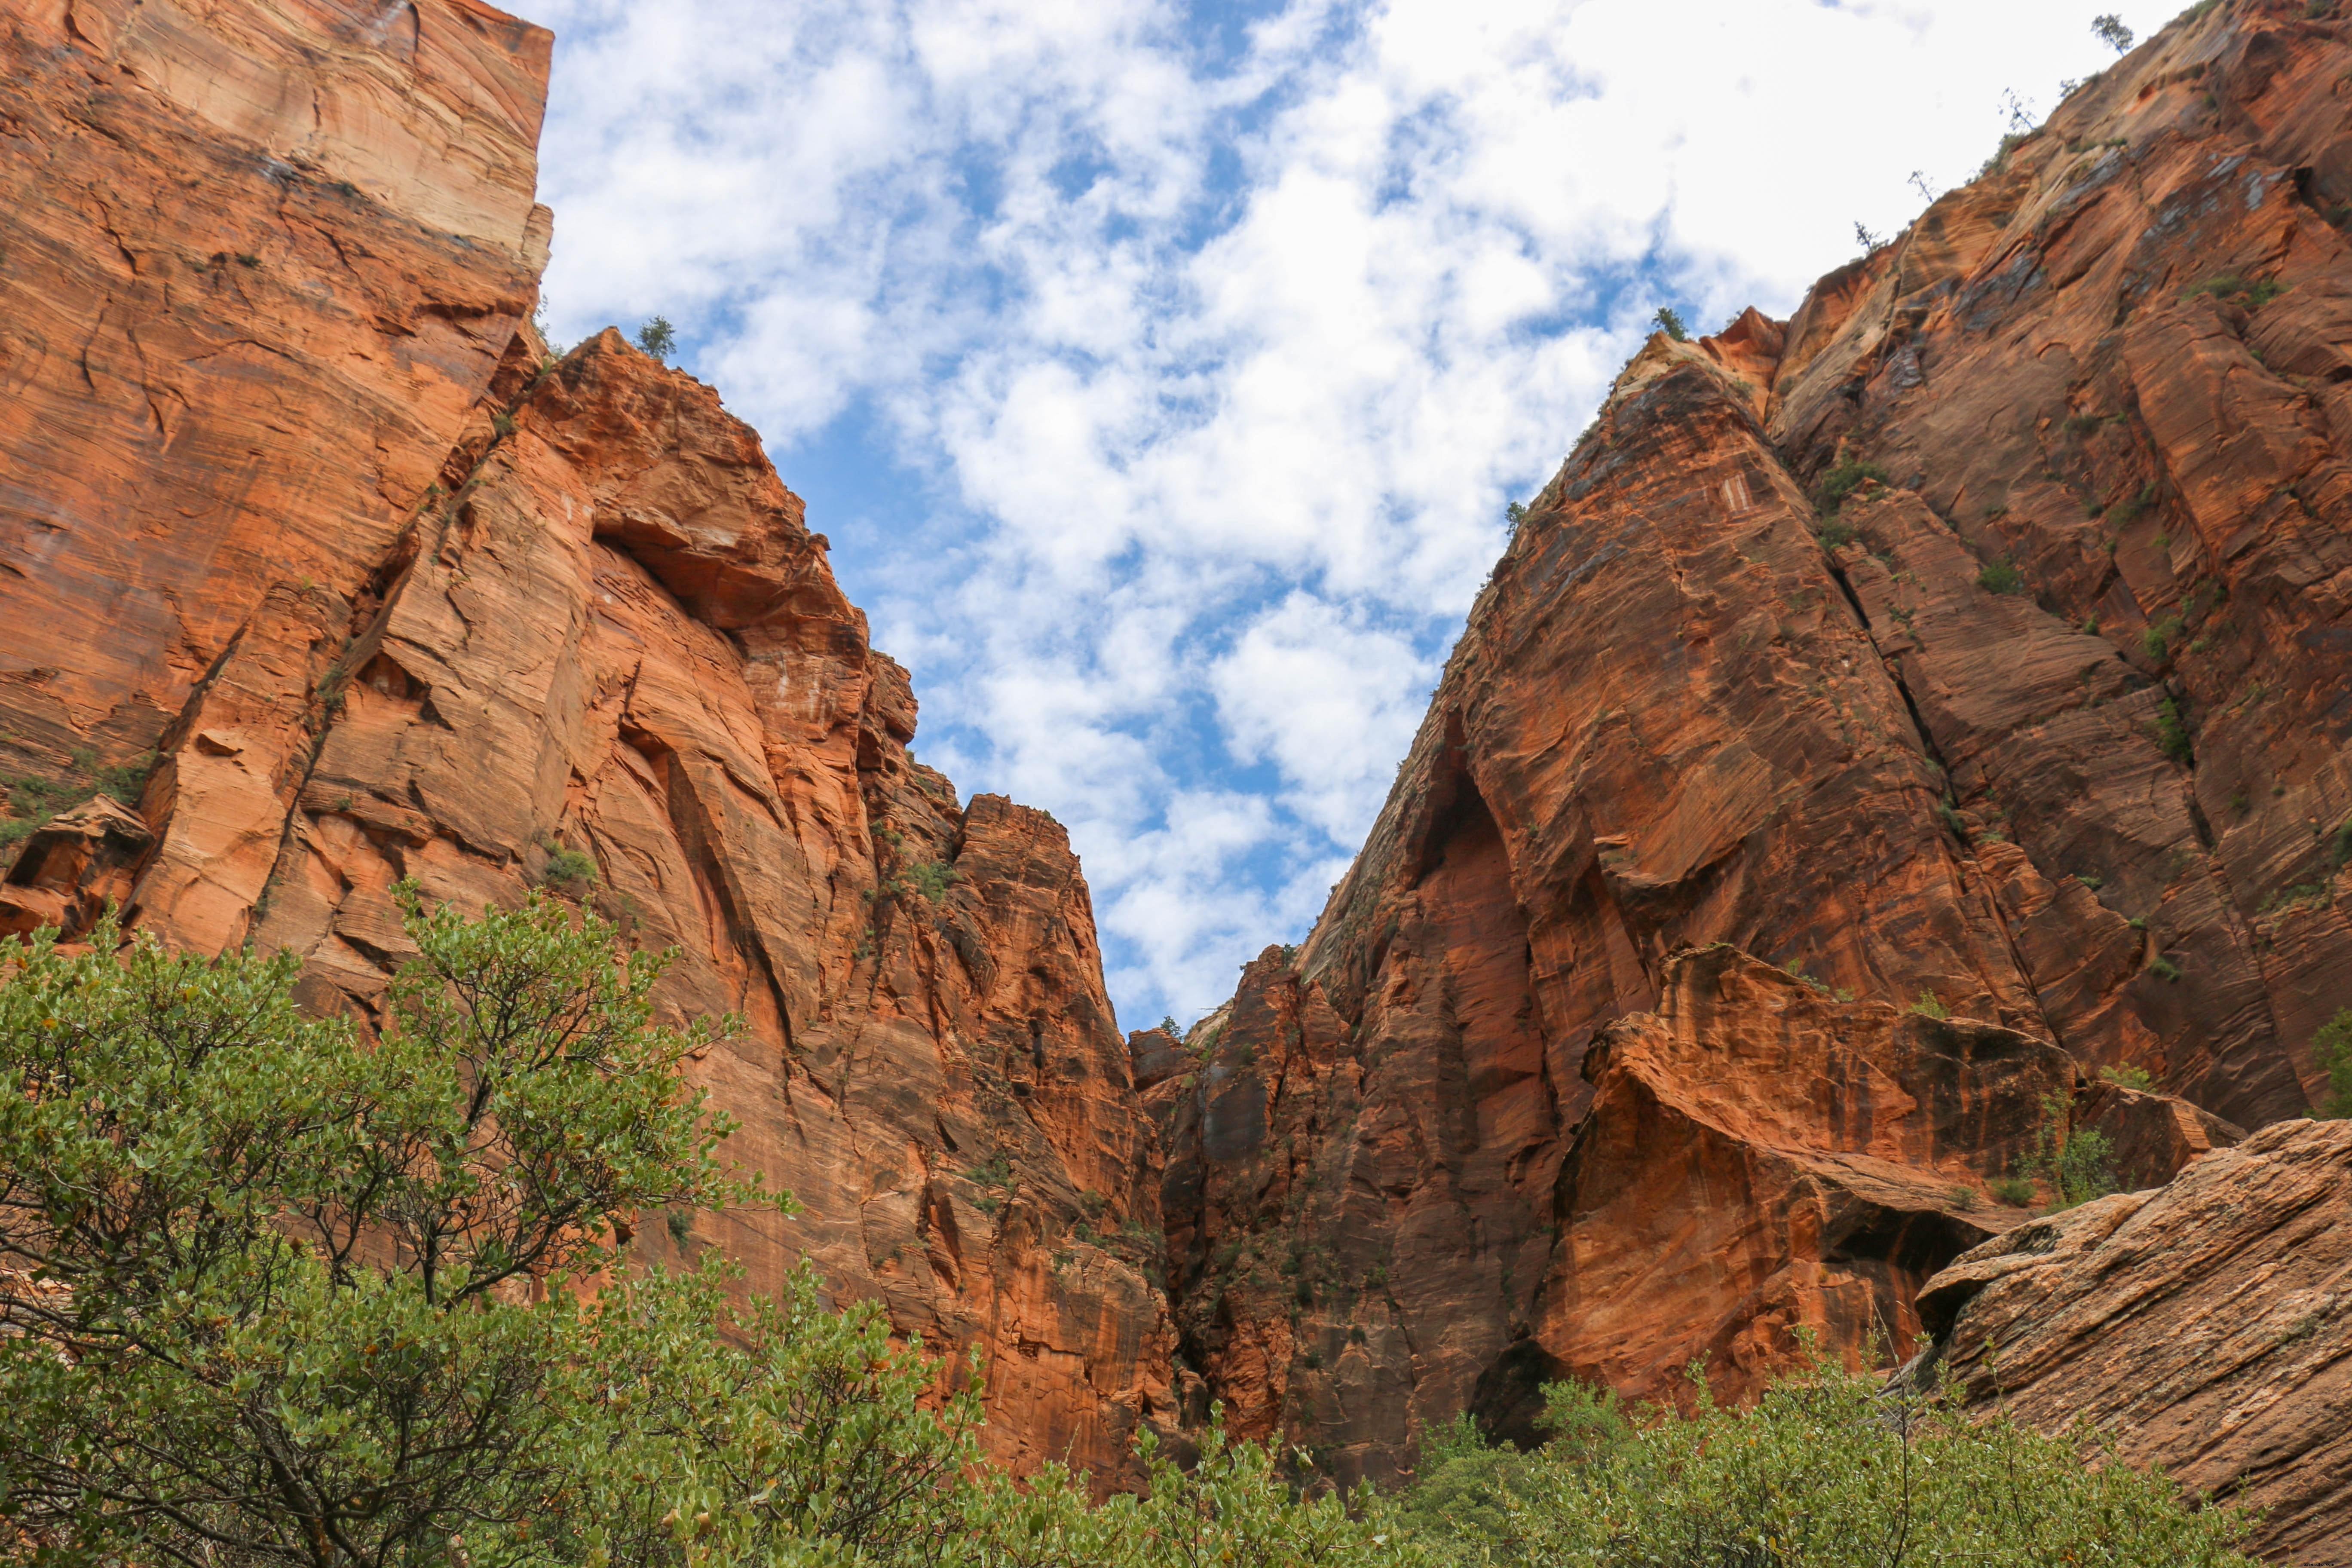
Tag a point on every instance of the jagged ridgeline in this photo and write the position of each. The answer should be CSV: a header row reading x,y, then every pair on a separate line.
x,y
1888,816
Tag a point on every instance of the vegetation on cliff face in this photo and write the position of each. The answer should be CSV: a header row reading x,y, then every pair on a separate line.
x,y
279,1293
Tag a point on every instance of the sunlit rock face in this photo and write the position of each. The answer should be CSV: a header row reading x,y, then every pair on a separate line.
x,y
1762,886
2202,1325
303,528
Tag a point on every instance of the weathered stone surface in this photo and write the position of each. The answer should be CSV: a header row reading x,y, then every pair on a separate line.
x,y
2050,726
618,637
2205,1327
262,260
295,503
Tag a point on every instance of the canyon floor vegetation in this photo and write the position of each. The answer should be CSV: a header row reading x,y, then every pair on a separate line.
x,y
277,1290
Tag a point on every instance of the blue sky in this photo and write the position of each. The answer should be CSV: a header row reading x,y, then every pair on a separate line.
x,y
1160,371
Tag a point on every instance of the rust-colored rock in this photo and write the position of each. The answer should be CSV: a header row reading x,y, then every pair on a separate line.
x,y
2204,1327
302,527
2049,726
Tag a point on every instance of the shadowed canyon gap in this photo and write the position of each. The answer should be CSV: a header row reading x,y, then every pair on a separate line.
x,y
1768,879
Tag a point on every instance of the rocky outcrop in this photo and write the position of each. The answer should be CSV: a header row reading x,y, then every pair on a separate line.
x,y
2203,1328
317,556
1974,642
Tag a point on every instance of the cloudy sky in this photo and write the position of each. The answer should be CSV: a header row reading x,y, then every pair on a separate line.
x,y
1161,369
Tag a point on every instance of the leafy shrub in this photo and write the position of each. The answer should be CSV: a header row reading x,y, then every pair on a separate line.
x,y
292,1250
2078,1163
2163,968
1835,532
2331,1048
1842,480
1929,1005
2172,733
1826,1471
568,870
2015,1191
2127,1077
2001,577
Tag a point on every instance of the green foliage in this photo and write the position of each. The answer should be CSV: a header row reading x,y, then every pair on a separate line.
x,y
1998,162
2157,639
2126,511
2339,845
2109,29
1515,514
2163,968
2077,1162
2002,576
1670,322
1929,1005
2236,291
2172,733
1827,1471
2016,1192
1842,480
2331,1048
1835,531
297,1298
568,870
2128,1077
929,878
658,337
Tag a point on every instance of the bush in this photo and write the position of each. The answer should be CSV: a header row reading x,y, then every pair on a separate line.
x,y
2079,1164
2001,577
1842,480
278,1273
2172,733
2331,1048
1929,1005
1827,1471
568,870
2127,1077
2016,1192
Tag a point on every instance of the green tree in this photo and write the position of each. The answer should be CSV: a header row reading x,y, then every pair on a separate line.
x,y
2110,30
278,1294
658,337
1669,320
2331,1048
1828,1470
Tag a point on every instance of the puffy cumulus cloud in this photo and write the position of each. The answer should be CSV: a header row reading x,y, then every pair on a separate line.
x,y
1164,365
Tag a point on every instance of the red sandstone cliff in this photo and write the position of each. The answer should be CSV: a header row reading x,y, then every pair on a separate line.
x,y
306,549
2048,727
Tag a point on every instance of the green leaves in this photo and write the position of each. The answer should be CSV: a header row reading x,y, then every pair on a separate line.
x,y
291,1294
1828,1470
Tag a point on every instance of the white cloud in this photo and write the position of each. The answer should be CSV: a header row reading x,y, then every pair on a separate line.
x,y
1216,371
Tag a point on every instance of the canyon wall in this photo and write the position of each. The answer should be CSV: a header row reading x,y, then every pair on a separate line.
x,y
1887,722
312,557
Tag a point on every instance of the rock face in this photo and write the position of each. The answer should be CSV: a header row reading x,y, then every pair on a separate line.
x,y
2204,1326
307,547
1979,641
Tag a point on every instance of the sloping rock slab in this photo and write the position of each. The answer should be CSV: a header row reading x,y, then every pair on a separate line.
x,y
2206,1327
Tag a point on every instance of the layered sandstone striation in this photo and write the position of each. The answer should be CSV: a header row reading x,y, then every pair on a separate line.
x,y
2204,1327
1978,643
309,550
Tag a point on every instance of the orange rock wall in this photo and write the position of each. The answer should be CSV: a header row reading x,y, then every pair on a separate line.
x,y
2106,806
300,528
